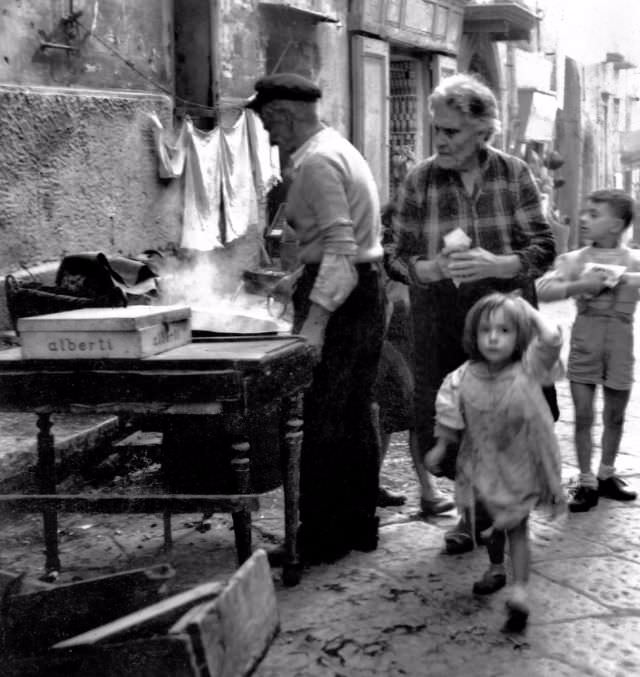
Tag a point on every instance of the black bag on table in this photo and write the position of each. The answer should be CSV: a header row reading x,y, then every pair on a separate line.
x,y
82,281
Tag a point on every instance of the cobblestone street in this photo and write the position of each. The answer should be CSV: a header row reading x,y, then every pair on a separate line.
x,y
407,608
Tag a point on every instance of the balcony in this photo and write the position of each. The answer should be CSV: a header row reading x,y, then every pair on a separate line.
x,y
501,19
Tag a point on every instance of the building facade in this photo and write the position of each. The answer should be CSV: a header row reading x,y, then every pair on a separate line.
x,y
78,168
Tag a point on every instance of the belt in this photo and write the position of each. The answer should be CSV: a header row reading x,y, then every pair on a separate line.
x,y
364,267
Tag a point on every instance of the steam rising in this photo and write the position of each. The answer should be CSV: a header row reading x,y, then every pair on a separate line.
x,y
212,283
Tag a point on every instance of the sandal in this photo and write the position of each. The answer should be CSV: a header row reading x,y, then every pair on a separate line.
x,y
435,506
490,582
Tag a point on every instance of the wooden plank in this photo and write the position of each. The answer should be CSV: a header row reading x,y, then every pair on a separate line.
x,y
232,633
152,619
35,621
147,657
176,503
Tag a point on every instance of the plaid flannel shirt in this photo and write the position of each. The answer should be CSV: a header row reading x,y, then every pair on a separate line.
x,y
503,216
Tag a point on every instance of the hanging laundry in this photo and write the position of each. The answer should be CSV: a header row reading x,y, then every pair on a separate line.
x,y
228,173
171,148
265,158
201,227
238,190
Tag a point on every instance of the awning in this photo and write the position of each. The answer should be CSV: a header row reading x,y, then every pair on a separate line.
x,y
630,149
537,112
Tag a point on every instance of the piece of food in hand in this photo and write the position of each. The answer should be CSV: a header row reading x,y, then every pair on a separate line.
x,y
612,273
456,241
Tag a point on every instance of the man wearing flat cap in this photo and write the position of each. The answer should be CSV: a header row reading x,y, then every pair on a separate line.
x,y
332,205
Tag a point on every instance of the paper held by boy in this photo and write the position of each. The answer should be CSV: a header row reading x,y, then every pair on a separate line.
x,y
613,273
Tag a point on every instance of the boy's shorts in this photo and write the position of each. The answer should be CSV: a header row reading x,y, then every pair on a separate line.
x,y
601,352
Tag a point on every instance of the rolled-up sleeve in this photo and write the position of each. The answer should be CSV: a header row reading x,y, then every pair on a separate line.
x,y
337,278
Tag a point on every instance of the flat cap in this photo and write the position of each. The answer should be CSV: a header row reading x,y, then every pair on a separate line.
x,y
289,86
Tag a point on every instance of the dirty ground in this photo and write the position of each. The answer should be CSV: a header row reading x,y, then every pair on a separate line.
x,y
406,609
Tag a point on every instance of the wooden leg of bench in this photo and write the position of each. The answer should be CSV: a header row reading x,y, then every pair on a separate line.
x,y
47,485
168,538
242,518
292,569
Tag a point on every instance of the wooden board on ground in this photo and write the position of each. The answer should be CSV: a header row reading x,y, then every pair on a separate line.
x,y
213,630
33,621
231,634
151,619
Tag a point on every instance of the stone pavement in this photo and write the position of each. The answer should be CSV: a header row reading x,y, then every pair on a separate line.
x,y
407,608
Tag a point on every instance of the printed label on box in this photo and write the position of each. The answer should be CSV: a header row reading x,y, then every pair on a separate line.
x,y
97,345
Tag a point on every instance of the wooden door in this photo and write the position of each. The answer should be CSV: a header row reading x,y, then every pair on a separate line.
x,y
370,124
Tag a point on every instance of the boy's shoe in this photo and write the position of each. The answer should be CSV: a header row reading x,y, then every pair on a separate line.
x,y
582,499
613,487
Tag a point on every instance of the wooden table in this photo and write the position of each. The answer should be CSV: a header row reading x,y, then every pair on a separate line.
x,y
230,379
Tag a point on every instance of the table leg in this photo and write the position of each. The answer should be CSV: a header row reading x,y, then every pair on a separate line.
x,y
292,412
47,485
242,518
168,537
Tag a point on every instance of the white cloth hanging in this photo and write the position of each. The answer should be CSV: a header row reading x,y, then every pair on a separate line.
x,y
201,216
228,172
265,158
239,198
171,148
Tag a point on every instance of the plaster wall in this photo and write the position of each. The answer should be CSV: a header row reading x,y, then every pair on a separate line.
x,y
78,171
254,41
142,32
77,166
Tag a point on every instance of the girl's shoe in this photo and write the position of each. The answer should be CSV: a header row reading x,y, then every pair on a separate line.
x,y
491,582
517,611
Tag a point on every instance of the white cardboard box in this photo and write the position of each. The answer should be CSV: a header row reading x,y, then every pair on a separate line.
x,y
98,333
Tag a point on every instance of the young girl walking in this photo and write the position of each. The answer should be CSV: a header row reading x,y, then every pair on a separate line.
x,y
508,462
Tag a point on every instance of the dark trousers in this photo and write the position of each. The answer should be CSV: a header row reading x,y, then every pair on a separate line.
x,y
340,451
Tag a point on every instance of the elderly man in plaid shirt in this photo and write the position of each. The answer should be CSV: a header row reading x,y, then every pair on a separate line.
x,y
492,197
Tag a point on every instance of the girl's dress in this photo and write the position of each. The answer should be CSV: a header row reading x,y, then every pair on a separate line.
x,y
509,458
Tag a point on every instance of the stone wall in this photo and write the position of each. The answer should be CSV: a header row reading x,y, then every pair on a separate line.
x,y
78,172
77,166
140,31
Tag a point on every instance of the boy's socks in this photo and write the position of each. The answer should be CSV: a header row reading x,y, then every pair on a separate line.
x,y
605,472
588,479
